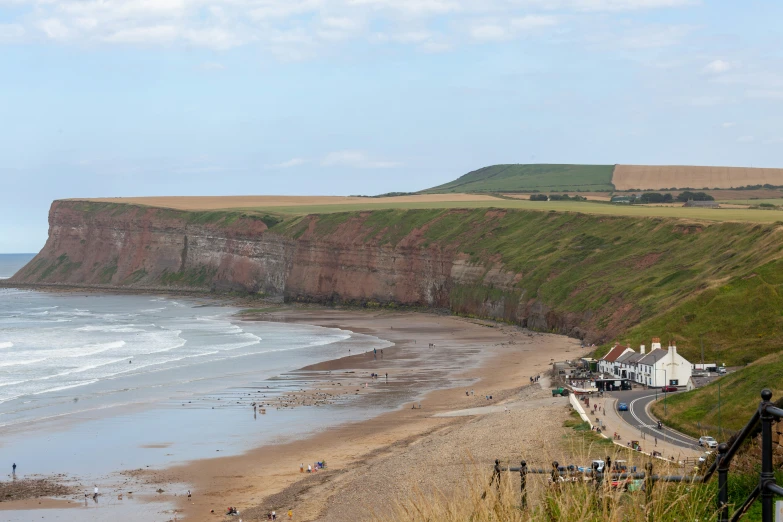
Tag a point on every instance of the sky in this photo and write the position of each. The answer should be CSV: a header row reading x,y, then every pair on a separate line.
x,y
341,97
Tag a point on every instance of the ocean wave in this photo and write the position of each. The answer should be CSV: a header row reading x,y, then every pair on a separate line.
x,y
6,345
20,363
131,328
66,386
96,349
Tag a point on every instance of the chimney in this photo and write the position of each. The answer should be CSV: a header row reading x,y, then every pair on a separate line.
x,y
641,349
656,343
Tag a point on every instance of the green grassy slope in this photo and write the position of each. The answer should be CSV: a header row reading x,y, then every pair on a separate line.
x,y
628,277
697,413
541,177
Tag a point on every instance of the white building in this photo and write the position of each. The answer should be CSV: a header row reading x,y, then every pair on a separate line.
x,y
657,368
606,364
663,367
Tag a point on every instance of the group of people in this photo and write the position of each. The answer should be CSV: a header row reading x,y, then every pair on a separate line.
x,y
321,464
535,379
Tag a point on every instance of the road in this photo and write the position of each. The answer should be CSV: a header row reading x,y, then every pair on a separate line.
x,y
636,416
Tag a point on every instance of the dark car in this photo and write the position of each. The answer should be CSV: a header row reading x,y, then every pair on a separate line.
x,y
670,389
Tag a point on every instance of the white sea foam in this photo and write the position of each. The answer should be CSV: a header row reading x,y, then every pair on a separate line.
x,y
8,364
8,344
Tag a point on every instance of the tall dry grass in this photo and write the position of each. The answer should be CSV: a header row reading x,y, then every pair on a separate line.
x,y
579,501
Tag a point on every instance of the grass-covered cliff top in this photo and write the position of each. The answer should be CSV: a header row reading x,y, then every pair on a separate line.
x,y
534,177
286,207
632,278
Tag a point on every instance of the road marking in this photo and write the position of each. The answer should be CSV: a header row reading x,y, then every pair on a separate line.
x,y
672,434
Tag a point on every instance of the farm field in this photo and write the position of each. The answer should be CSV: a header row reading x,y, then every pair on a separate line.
x,y
643,177
292,205
776,201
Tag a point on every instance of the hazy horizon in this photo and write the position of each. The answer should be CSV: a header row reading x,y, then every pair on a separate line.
x,y
340,97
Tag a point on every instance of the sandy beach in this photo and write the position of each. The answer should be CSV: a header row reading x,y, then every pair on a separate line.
x,y
372,463
268,478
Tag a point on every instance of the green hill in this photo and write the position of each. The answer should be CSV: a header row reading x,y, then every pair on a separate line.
x,y
538,177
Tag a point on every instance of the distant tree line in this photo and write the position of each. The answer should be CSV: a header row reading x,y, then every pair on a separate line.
x,y
682,197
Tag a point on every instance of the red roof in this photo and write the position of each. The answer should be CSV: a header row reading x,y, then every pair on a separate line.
x,y
614,353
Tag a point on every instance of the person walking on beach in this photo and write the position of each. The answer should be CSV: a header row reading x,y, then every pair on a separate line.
x,y
13,469
95,494
381,353
290,514
375,352
387,376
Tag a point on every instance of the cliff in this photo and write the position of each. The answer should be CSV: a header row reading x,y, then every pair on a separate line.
x,y
592,277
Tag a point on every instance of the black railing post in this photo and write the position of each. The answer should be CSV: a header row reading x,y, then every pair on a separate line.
x,y
767,472
723,483
523,482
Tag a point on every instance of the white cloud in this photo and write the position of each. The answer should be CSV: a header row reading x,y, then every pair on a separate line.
x,y
54,29
746,139
294,162
728,124
488,32
212,66
528,22
718,67
11,33
765,94
144,35
355,159
308,25
624,5
772,141
706,100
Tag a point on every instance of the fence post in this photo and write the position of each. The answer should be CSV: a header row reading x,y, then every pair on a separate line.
x,y
648,488
523,482
767,472
723,484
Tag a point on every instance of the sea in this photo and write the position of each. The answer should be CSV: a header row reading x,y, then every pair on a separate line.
x,y
95,382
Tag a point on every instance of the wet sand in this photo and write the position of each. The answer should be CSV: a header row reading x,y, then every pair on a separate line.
x,y
509,356
489,358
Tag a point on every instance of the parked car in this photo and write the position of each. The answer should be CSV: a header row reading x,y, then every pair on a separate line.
x,y
622,407
708,442
670,389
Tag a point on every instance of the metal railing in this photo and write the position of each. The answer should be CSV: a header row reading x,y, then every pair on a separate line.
x,y
766,489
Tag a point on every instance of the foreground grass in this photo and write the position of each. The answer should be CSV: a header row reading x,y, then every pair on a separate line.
x,y
698,413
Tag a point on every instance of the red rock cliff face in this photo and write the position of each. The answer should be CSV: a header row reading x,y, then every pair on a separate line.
x,y
141,247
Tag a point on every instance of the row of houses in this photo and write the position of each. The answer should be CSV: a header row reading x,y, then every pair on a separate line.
x,y
656,368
